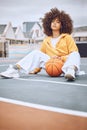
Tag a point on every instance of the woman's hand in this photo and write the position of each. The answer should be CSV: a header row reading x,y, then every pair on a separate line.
x,y
56,57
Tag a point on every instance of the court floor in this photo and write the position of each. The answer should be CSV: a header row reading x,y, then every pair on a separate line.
x,y
40,102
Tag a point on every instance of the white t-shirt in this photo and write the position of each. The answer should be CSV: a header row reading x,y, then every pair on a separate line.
x,y
54,41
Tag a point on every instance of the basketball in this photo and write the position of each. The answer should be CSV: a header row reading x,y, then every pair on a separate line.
x,y
54,67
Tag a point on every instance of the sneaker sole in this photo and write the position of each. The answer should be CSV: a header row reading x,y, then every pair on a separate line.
x,y
7,77
69,77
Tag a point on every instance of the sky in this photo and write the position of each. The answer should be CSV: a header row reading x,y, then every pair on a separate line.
x,y
19,11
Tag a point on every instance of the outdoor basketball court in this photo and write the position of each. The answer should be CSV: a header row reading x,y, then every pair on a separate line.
x,y
40,102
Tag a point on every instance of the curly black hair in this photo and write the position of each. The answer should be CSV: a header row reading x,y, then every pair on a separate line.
x,y
65,19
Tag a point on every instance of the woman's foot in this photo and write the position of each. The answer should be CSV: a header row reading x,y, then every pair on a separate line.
x,y
35,71
10,73
70,74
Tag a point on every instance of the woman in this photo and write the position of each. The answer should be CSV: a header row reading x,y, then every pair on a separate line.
x,y
58,43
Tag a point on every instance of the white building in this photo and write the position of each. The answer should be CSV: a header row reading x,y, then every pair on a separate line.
x,y
19,35
8,35
80,34
33,31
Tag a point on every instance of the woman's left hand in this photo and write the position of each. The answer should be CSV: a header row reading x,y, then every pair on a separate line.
x,y
56,57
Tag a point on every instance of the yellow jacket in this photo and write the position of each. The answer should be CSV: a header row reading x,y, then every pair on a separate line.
x,y
63,48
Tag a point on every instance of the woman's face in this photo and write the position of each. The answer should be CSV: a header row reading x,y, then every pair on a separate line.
x,y
55,24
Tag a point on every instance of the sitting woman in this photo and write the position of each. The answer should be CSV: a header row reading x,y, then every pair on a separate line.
x,y
58,43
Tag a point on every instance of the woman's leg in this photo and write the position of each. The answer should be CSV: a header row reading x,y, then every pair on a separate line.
x,y
35,59
72,63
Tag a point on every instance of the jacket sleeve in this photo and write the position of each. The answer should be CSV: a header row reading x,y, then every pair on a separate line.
x,y
63,58
71,45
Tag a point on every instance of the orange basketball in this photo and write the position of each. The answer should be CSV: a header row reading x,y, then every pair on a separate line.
x,y
54,67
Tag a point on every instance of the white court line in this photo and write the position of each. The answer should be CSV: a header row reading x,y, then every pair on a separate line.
x,y
84,64
51,81
48,81
46,108
5,65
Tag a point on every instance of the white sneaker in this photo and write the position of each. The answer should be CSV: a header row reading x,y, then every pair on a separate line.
x,y
70,74
10,73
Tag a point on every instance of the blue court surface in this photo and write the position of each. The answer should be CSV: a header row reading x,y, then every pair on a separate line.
x,y
41,102
45,90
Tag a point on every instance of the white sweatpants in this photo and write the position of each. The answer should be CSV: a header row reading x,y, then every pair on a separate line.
x,y
72,60
37,59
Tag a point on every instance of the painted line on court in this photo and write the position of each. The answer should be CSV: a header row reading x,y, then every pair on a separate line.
x,y
43,107
85,64
51,81
4,65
